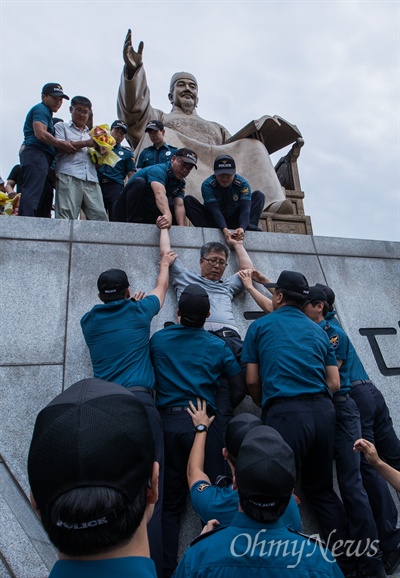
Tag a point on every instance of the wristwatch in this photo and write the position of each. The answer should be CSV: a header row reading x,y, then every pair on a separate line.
x,y
199,428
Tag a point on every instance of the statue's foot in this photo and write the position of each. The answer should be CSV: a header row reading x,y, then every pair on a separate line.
x,y
281,207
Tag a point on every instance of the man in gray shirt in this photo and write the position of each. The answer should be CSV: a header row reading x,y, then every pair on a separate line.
x,y
77,185
221,292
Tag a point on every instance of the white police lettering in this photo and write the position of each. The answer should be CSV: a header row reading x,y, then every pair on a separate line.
x,y
247,545
189,156
83,525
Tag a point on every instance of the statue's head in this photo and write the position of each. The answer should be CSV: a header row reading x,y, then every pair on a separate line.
x,y
183,91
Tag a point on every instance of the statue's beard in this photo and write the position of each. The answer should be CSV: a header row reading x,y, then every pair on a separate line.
x,y
187,105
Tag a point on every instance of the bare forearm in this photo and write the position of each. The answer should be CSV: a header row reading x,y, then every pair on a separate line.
x,y
262,301
195,467
165,242
390,474
162,202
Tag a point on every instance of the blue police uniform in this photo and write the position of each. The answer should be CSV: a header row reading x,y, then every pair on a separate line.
x,y
361,526
292,352
117,335
36,160
112,179
253,549
225,207
188,363
377,427
210,501
153,156
115,567
137,204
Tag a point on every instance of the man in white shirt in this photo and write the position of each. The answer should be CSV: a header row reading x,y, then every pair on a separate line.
x,y
77,184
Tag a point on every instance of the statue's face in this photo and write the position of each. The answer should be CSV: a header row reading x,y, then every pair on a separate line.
x,y
184,94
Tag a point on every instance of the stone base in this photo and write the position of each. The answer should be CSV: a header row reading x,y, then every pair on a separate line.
x,y
290,224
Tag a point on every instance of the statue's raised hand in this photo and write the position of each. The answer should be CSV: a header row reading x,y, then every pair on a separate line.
x,y
133,60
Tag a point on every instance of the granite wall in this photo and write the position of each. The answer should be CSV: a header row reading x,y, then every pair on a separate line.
x,y
48,274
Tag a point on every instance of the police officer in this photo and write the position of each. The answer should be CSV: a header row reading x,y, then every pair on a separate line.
x,y
157,191
361,528
376,427
159,152
117,333
228,201
292,372
112,179
221,501
188,363
257,543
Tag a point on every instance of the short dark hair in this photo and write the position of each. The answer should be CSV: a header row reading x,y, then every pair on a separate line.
x,y
292,298
108,297
92,503
82,100
268,514
314,302
214,247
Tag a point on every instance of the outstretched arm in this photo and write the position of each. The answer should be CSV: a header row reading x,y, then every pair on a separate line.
x,y
368,449
163,276
195,467
262,301
244,260
165,242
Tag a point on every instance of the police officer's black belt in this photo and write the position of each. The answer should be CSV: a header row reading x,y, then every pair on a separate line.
x,y
173,408
361,382
340,397
104,181
180,408
306,397
225,332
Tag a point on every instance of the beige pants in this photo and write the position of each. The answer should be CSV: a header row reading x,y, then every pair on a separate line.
x,y
74,194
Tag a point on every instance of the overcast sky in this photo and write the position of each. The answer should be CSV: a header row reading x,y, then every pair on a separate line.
x,y
329,67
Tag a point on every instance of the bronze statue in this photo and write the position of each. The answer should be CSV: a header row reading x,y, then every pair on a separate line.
x,y
185,128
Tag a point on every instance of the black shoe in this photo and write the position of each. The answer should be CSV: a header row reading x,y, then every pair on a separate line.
x,y
251,227
391,560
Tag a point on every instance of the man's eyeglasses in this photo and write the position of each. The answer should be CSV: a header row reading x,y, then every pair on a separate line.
x,y
80,111
214,262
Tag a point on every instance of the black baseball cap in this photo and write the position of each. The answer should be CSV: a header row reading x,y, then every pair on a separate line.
x,y
54,89
194,302
120,124
330,294
291,281
237,429
94,434
154,125
316,293
224,165
112,281
188,156
265,468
